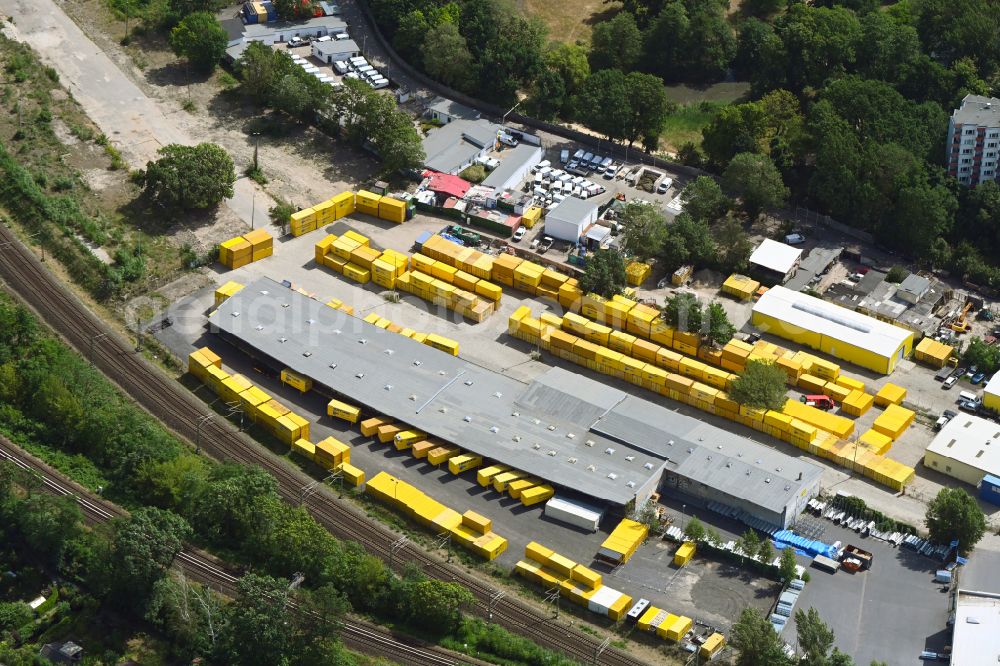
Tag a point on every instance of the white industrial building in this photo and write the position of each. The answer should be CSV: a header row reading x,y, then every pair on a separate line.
x,y
335,50
774,262
966,448
514,167
445,110
569,220
278,32
455,146
976,629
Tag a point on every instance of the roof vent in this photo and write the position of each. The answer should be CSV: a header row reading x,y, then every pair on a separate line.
x,y
441,372
670,442
285,305
468,382
630,484
767,480
758,461
690,450
777,469
609,451
516,438
591,468
264,291
413,397
648,465
630,458
729,464
536,421
552,452
536,446
494,430
443,410
748,472
259,327
310,321
360,375
336,331
612,476
570,435
388,387
282,340
467,419
589,442
236,314
708,458
333,366
389,352
515,413
498,394
571,461
363,341
719,447
307,354
551,427
787,488
416,363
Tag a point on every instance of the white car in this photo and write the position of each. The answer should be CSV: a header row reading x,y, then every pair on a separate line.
x,y
340,67
663,187
795,239
519,234
378,84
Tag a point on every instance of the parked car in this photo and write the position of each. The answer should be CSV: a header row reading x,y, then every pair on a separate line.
x,y
341,67
564,156
959,372
795,239
946,415
978,377
611,172
296,42
927,655
968,406
378,84
948,383
519,234
664,186
943,374
546,245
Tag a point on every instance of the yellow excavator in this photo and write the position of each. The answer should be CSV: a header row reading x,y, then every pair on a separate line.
x,y
961,325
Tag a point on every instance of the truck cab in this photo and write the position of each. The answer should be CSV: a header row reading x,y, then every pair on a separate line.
x,y
823,402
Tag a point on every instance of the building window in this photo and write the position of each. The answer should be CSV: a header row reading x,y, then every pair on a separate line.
x,y
991,144
965,169
966,160
934,462
966,151
988,172
969,130
967,142
993,135
947,468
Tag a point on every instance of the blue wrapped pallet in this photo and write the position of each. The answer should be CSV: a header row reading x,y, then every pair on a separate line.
x,y
989,489
249,15
272,13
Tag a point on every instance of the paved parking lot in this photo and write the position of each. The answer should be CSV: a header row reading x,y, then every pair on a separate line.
x,y
889,613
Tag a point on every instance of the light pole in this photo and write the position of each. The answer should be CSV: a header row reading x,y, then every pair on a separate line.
x,y
197,436
503,121
256,149
93,339
253,208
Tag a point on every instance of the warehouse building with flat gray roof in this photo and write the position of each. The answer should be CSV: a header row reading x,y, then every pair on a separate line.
x,y
578,434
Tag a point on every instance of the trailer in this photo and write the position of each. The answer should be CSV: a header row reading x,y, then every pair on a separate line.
x,y
574,513
856,559
826,564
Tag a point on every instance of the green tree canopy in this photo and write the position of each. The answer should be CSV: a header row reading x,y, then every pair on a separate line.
x,y
190,177
787,565
704,201
955,514
694,530
720,329
447,58
142,549
616,44
436,605
645,230
200,39
985,357
604,273
756,642
683,312
761,385
757,181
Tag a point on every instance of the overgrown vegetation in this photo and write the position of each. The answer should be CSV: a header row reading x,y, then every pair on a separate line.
x,y
954,514
604,273
761,385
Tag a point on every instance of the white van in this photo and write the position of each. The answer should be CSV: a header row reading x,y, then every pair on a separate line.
x,y
341,67
378,84
968,396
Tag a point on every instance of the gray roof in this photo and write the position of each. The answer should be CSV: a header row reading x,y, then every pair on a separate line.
x,y
978,110
573,209
577,418
235,52
482,411
260,30
511,163
337,46
722,460
453,109
233,27
817,261
452,145
914,284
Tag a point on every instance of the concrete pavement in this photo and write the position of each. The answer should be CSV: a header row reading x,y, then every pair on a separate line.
x,y
135,123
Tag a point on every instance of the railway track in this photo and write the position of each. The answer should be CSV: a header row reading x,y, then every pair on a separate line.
x,y
181,411
199,566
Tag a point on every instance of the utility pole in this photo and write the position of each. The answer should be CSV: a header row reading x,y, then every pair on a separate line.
x,y
600,649
197,436
444,541
256,149
93,339
253,208
552,597
235,408
494,600
395,547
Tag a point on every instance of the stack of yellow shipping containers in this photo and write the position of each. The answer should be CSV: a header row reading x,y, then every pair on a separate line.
x,y
470,530
623,541
262,243
637,272
740,286
893,421
367,202
225,291
242,250
442,293
890,394
578,583
932,352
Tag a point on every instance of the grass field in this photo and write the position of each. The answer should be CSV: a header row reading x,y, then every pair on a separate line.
x,y
569,20
686,124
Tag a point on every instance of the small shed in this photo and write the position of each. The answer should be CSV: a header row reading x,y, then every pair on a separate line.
x,y
913,288
445,110
773,262
335,50
568,220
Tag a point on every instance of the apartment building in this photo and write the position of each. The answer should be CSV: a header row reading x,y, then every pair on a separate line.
x,y
974,140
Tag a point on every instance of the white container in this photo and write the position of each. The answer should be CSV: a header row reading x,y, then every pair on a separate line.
x,y
578,514
604,598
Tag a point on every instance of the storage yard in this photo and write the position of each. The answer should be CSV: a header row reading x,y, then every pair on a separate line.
x,y
463,420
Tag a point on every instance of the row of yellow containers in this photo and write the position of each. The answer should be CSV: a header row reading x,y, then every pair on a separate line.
x,y
284,424
623,541
840,426
576,582
338,304
893,421
862,458
382,207
740,286
522,486
352,256
684,553
331,210
932,352
736,354
441,293
637,272
677,387
434,340
464,258
664,624
225,291
331,454
470,529
456,277
242,250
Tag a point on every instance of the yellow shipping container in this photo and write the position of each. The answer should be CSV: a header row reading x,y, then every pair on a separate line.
x,y
304,448
295,380
838,425
342,410
857,403
392,210
876,441
848,382
890,394
352,475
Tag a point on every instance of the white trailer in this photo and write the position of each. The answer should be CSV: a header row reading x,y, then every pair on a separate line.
x,y
574,513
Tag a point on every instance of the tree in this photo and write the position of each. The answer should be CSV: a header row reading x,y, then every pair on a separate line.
x,y
604,274
200,39
512,56
474,174
815,638
14,615
694,530
757,181
749,543
787,570
739,128
447,58
764,551
720,329
548,95
369,117
188,613
733,246
685,43
288,10
985,357
616,44
602,104
259,630
436,605
142,549
683,312
648,106
645,230
762,385
229,507
570,62
762,7
955,514
689,241
756,642
47,523
190,177
260,68
704,201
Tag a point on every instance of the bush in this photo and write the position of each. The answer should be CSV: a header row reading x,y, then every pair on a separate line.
x,y
474,174
896,274
190,177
